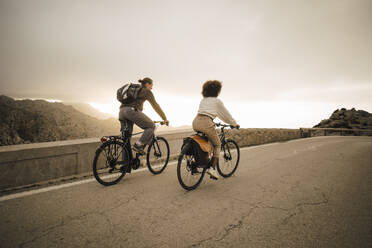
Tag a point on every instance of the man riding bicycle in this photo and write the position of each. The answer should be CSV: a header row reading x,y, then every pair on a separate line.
x,y
131,113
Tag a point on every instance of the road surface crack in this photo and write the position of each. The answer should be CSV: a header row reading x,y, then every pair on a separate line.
x,y
298,208
45,233
69,219
228,229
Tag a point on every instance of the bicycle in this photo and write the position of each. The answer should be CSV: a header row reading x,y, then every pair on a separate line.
x,y
190,174
114,158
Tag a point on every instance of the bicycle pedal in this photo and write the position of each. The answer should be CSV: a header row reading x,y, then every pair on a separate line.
x,y
136,163
126,169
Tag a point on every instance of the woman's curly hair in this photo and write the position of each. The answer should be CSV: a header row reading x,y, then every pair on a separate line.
x,y
211,88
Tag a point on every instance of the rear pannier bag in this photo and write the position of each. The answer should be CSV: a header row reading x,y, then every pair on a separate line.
x,y
201,157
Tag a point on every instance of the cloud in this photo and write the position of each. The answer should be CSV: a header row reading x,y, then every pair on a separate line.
x,y
342,93
260,50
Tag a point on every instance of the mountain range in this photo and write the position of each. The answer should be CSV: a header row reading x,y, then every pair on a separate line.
x,y
30,121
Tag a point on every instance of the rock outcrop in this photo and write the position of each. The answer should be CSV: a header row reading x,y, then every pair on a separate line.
x,y
29,121
351,119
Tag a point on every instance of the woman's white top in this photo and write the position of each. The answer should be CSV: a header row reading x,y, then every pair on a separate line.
x,y
214,107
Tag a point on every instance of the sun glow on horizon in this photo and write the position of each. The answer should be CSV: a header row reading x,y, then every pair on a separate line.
x,y
34,99
181,110
111,108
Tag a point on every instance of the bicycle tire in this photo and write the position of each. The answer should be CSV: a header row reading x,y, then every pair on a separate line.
x,y
156,148
105,162
191,169
223,167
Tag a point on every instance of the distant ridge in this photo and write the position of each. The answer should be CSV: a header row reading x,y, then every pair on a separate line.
x,y
29,121
89,110
352,119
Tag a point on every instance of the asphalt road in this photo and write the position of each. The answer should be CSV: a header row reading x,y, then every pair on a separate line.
x,y
314,192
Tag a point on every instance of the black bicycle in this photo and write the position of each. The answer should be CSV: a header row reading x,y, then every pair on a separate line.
x,y
190,172
114,158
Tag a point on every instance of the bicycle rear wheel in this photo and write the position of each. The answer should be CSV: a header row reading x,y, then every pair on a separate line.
x,y
188,174
229,158
157,155
108,161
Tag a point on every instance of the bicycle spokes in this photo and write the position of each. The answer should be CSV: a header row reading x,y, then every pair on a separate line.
x,y
158,155
112,154
188,173
227,156
157,150
107,163
231,155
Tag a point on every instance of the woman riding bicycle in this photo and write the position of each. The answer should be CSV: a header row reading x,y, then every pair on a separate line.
x,y
211,107
132,113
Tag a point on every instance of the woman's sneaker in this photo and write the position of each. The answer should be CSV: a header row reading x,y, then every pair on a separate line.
x,y
212,173
138,149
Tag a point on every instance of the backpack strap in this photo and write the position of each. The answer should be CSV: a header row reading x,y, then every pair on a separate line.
x,y
137,91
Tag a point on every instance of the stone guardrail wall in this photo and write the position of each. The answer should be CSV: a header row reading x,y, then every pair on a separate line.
x,y
312,132
39,162
29,164
258,136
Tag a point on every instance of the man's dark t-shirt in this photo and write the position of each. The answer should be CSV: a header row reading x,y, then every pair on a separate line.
x,y
143,95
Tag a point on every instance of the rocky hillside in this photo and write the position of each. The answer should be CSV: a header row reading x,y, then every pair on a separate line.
x,y
352,119
28,121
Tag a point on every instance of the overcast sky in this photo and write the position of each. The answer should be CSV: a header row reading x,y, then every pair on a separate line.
x,y
271,53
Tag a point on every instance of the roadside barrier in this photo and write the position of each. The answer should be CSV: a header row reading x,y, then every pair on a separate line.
x,y
28,165
311,132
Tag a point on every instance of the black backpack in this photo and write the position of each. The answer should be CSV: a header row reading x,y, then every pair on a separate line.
x,y
128,93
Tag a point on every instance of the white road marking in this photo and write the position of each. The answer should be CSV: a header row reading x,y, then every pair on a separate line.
x,y
56,187
66,185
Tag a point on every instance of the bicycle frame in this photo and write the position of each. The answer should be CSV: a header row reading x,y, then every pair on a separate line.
x,y
117,152
227,155
126,137
222,136
188,168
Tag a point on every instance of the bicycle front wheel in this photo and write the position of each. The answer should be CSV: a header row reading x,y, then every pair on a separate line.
x,y
229,158
157,155
108,161
188,174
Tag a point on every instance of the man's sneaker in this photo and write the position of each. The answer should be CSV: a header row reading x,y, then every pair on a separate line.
x,y
212,173
138,149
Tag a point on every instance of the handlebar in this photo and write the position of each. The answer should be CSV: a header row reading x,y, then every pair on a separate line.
x,y
218,124
160,122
